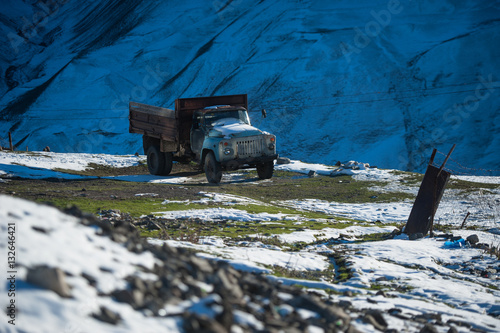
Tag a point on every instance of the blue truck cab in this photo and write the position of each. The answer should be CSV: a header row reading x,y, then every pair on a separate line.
x,y
223,139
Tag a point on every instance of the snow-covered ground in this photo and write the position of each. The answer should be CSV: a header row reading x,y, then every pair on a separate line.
x,y
420,277
45,236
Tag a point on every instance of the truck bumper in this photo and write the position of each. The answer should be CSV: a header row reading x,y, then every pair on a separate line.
x,y
249,162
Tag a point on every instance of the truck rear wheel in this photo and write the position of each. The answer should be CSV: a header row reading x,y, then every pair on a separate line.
x,y
265,170
213,169
156,160
169,158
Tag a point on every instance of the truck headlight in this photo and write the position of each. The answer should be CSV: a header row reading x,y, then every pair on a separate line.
x,y
272,143
228,151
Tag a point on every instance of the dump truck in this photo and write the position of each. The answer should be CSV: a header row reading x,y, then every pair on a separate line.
x,y
215,132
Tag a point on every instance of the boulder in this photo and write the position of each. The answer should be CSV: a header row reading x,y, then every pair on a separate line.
x,y
283,160
49,278
107,316
473,239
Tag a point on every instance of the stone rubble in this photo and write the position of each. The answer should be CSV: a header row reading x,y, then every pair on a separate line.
x,y
238,301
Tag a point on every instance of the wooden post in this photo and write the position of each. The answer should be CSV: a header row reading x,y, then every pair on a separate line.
x,y
435,202
446,159
434,151
465,219
10,142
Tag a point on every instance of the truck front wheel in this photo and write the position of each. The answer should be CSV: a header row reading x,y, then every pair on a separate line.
x,y
213,169
156,160
265,170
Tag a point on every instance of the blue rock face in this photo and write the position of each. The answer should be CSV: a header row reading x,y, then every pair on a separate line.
x,y
381,82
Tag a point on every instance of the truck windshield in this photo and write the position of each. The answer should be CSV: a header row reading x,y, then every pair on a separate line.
x,y
212,117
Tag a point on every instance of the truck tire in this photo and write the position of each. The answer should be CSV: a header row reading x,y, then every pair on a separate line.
x,y
265,170
167,168
156,160
213,169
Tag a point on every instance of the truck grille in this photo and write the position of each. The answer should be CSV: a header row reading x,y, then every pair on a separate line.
x,y
249,147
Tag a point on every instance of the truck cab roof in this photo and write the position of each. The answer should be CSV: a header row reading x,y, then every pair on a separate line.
x,y
221,108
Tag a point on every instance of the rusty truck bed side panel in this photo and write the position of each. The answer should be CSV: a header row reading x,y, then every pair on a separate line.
x,y
153,121
185,107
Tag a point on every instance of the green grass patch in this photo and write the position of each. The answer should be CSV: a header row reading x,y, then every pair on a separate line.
x,y
237,231
135,207
339,189
375,237
327,275
466,186
412,178
343,272
409,178
273,209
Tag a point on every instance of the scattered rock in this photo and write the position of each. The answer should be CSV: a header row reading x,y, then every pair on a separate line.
x,y
353,165
92,281
283,160
345,304
226,284
428,328
49,278
107,316
39,229
459,323
395,232
376,319
221,290
416,236
194,323
133,297
348,293
482,246
201,264
473,239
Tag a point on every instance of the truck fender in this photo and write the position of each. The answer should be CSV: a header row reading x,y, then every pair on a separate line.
x,y
204,154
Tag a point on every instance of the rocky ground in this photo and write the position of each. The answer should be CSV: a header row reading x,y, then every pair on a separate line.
x,y
232,300
211,295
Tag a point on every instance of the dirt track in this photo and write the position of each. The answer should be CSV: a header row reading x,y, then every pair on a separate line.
x,y
100,188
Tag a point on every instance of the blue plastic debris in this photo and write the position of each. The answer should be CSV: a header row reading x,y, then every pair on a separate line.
x,y
456,244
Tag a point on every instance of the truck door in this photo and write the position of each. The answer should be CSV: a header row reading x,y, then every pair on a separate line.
x,y
197,134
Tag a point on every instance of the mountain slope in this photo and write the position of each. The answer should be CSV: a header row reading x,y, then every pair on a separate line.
x,y
377,81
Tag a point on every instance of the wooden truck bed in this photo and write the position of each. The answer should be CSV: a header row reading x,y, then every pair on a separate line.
x,y
175,126
153,121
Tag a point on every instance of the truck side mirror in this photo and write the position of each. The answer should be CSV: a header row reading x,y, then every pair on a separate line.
x,y
264,113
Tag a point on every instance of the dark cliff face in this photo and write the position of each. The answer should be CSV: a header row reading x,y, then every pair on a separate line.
x,y
380,82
